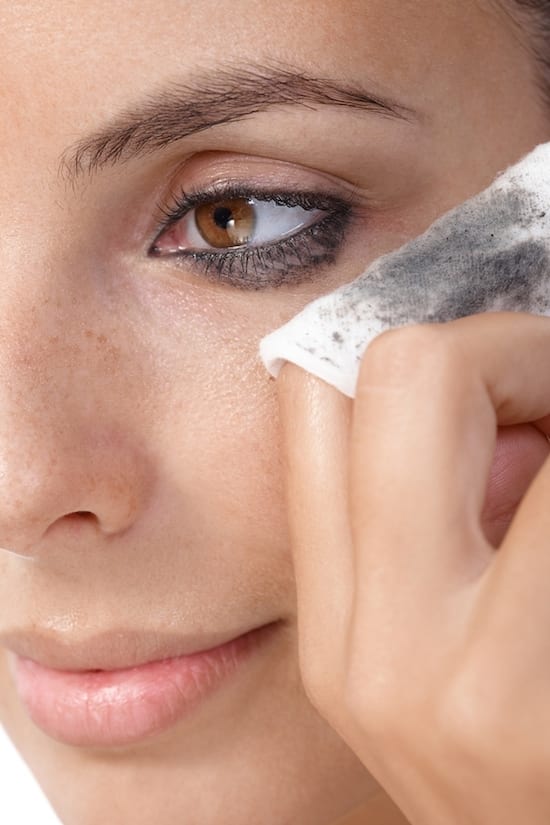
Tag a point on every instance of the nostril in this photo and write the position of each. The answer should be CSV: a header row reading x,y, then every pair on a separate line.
x,y
81,514
80,518
73,523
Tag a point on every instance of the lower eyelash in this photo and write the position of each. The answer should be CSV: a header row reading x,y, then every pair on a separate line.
x,y
295,260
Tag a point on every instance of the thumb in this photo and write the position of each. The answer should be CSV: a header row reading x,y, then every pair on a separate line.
x,y
315,423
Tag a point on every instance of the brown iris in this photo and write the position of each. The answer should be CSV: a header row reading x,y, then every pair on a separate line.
x,y
227,222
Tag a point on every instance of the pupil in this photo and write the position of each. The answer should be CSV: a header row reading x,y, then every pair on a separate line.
x,y
226,223
223,216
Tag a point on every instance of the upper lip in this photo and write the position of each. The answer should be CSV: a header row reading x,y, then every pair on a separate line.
x,y
109,650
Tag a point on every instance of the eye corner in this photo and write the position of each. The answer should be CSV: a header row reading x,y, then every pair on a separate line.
x,y
293,259
153,251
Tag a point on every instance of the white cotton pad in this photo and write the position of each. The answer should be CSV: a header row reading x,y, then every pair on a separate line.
x,y
491,253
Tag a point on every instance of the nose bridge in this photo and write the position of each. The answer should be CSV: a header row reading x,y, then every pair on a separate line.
x,y
40,332
46,297
64,445
62,450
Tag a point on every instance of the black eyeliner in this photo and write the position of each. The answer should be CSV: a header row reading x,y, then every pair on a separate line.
x,y
292,260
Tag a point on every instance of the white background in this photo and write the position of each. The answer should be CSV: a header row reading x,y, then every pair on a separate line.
x,y
22,801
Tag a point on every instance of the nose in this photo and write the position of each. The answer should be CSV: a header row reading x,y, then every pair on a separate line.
x,y
58,475
66,457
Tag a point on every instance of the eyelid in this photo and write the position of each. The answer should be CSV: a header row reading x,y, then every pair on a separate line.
x,y
187,199
289,261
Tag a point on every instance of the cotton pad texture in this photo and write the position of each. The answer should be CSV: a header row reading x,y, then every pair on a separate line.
x,y
491,253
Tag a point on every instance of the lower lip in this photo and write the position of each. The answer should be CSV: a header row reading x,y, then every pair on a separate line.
x,y
122,707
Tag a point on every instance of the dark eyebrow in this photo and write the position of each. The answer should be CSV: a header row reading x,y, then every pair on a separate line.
x,y
222,96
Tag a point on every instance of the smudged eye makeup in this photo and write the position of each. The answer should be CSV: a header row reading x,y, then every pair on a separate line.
x,y
252,239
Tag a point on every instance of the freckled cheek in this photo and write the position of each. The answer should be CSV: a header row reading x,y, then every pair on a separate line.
x,y
243,425
220,426
211,418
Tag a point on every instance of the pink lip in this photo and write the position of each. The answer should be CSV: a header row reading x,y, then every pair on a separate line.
x,y
121,707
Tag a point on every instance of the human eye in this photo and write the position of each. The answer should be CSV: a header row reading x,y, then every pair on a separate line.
x,y
250,238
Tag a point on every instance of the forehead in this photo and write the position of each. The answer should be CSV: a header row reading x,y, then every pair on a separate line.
x,y
402,38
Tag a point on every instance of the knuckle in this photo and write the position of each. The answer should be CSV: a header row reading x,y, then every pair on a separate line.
x,y
470,718
400,342
371,702
351,697
404,354
320,683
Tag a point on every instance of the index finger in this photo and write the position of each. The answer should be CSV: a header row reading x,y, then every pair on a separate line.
x,y
315,422
424,429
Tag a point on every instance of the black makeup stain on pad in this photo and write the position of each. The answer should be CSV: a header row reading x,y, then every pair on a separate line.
x,y
486,258
489,254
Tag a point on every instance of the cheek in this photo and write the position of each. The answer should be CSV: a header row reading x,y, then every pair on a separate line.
x,y
235,422
214,415
520,453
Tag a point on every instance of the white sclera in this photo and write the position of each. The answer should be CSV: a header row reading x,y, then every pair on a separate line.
x,y
273,223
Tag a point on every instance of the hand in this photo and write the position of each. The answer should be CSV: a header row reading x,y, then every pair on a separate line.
x,y
424,631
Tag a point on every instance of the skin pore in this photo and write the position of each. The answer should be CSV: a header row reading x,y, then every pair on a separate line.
x,y
141,485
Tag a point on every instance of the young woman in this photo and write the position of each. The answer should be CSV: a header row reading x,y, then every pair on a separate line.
x,y
207,617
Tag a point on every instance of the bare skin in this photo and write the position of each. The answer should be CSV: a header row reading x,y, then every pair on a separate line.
x,y
419,595
142,482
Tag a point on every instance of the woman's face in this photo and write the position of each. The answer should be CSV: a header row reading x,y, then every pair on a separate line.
x,y
142,508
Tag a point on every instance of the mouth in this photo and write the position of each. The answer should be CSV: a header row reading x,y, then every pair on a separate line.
x,y
117,706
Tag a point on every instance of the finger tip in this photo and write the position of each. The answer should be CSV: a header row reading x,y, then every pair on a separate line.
x,y
304,395
290,375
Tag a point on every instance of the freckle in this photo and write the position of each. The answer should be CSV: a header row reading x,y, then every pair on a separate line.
x,y
89,333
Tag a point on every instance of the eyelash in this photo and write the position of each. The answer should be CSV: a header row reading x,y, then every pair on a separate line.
x,y
294,260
